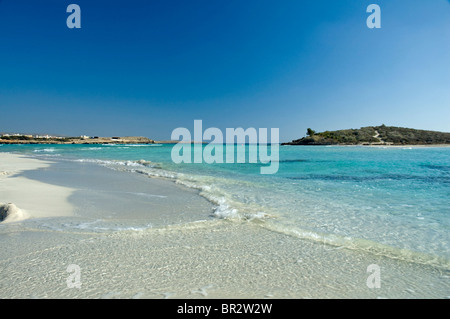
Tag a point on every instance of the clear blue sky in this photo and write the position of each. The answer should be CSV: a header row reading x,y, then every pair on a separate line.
x,y
147,67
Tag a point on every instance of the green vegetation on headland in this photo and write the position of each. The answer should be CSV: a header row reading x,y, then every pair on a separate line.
x,y
373,135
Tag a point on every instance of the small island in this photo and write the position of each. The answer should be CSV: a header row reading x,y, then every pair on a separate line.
x,y
374,135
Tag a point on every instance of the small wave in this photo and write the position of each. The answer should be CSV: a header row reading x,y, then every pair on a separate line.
x,y
229,211
375,248
46,150
96,226
139,163
293,161
114,163
381,177
444,168
225,206
95,161
91,148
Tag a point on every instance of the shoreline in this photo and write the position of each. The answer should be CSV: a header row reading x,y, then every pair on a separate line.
x,y
23,139
193,258
206,143
54,188
34,199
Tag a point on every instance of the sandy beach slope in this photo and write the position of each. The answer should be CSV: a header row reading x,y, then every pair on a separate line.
x,y
33,199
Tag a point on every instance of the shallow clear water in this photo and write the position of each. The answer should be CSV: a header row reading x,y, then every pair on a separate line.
x,y
387,201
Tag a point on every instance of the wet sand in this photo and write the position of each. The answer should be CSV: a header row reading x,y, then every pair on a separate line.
x,y
34,198
168,245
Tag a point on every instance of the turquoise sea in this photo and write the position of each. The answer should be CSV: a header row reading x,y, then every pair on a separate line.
x,y
390,201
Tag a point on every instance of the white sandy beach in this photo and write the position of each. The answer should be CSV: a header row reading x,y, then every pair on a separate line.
x,y
213,258
34,199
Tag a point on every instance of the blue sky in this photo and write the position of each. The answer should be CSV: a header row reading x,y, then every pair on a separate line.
x,y
147,67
